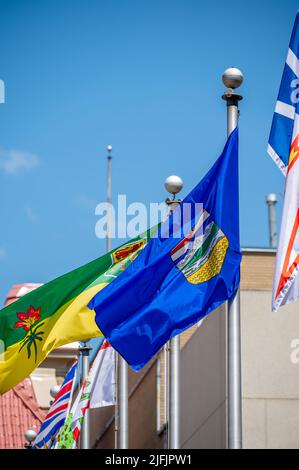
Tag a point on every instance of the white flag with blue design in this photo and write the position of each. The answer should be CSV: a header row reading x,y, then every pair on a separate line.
x,y
283,147
284,124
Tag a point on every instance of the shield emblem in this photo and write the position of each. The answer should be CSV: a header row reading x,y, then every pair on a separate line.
x,y
201,254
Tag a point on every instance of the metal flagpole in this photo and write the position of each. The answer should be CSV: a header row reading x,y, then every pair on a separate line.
x,y
123,404
116,417
175,392
232,79
109,160
271,201
166,393
173,185
85,430
108,249
121,367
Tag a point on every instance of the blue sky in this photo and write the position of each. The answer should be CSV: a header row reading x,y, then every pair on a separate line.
x,y
144,76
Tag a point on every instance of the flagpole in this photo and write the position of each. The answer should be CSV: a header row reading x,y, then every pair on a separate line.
x,y
174,429
123,404
174,185
116,417
108,249
85,430
232,79
121,383
166,392
109,161
271,201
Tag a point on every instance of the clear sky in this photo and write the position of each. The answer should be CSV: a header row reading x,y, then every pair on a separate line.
x,y
144,76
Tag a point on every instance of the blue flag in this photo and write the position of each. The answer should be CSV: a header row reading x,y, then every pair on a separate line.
x,y
174,282
284,129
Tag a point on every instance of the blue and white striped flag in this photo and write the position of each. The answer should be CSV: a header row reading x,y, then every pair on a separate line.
x,y
284,130
58,412
283,147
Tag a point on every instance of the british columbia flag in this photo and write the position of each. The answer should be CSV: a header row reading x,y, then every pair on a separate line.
x,y
283,147
57,414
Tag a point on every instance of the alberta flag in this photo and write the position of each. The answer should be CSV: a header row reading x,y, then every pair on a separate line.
x,y
284,148
178,277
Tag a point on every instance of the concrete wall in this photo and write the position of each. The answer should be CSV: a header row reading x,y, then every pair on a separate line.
x,y
142,414
203,391
270,379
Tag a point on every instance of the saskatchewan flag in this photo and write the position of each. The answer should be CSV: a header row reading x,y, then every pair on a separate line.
x,y
56,313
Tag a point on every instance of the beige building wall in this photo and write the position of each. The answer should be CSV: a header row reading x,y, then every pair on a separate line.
x,y
142,414
270,378
203,390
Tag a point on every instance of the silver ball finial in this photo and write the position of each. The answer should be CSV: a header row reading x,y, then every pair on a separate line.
x,y
232,78
271,198
173,184
54,390
109,148
30,435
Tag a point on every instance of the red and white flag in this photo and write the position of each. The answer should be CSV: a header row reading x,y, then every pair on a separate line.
x,y
286,279
98,389
284,148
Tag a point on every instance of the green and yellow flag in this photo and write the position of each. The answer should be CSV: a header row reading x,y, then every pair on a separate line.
x,y
56,313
